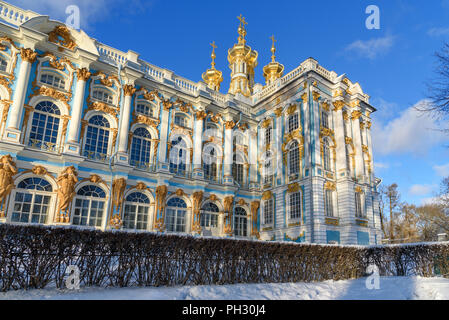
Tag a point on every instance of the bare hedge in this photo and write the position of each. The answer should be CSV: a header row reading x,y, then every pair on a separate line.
x,y
37,257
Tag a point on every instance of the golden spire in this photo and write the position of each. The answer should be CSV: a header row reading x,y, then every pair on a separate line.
x,y
273,49
212,76
241,29
213,56
242,62
274,70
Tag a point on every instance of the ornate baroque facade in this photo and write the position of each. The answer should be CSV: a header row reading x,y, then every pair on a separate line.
x,y
96,137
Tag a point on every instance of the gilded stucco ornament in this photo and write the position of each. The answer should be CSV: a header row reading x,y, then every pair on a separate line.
x,y
118,190
304,98
338,105
358,189
201,115
197,197
39,170
66,182
254,217
61,35
294,187
316,95
28,55
266,123
329,185
129,90
8,169
292,109
83,74
356,114
161,194
229,125
278,112
267,195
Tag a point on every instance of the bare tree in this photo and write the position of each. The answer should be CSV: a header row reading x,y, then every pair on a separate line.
x,y
438,88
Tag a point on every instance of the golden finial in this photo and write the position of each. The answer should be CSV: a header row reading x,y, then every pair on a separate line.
x,y
273,49
241,30
213,56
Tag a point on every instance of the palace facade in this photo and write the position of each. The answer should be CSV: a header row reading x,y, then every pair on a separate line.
x,y
92,136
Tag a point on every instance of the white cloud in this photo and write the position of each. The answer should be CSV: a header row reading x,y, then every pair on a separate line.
x,y
411,132
380,165
421,189
90,10
373,47
442,170
436,32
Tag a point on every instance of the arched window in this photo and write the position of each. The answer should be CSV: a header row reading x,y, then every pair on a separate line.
x,y
45,126
181,120
210,163
358,205
294,203
326,155
237,168
268,211
175,216
240,222
102,95
137,208
293,159
293,122
178,156
3,64
141,148
89,206
97,138
53,80
209,215
324,119
32,201
144,109
329,203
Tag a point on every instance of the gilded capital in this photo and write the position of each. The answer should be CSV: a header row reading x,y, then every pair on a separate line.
x,y
338,105
28,55
229,124
316,95
201,115
356,114
129,90
83,74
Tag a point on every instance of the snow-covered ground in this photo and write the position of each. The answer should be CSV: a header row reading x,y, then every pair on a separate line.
x,y
390,288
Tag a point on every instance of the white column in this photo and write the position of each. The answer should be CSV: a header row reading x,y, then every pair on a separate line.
x,y
278,148
252,133
72,145
228,156
15,113
164,137
357,137
197,143
124,129
307,122
340,138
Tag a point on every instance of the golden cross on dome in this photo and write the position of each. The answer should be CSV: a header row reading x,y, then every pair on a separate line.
x,y
242,20
273,49
213,56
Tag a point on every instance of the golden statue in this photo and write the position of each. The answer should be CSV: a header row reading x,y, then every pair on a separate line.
x,y
7,170
254,207
228,210
197,198
118,190
161,193
66,188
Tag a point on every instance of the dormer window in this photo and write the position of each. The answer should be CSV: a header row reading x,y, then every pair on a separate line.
x,y
53,80
102,96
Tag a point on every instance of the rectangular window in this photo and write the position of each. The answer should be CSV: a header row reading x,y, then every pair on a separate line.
x,y
268,136
268,212
295,206
324,120
358,205
293,122
329,203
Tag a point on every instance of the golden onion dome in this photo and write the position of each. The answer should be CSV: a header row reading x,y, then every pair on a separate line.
x,y
274,70
212,76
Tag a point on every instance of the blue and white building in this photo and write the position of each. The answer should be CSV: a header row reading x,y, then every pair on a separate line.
x,y
96,137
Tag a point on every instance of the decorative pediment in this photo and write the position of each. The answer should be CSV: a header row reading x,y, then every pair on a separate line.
x,y
61,36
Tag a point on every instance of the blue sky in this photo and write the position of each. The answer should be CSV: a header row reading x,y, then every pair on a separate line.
x,y
391,64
